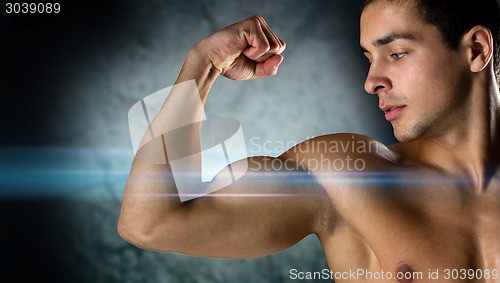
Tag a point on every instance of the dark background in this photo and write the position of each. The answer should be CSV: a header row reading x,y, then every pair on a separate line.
x,y
67,82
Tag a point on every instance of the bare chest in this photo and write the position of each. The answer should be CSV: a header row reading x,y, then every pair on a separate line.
x,y
427,231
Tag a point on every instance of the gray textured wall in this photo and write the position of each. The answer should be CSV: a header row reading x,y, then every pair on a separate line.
x,y
138,50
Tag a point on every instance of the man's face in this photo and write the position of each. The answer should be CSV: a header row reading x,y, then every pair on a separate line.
x,y
420,82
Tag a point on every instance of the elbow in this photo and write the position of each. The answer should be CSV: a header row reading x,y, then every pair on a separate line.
x,y
133,235
144,237
123,232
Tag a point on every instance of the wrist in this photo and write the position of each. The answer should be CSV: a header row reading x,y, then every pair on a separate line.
x,y
198,66
202,57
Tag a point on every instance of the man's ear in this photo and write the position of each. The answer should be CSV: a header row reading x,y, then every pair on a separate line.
x,y
479,42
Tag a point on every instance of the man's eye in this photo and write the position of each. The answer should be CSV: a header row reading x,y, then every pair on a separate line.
x,y
398,55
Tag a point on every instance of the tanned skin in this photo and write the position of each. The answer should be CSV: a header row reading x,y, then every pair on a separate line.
x,y
440,205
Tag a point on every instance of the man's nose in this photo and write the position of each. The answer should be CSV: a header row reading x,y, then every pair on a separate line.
x,y
377,80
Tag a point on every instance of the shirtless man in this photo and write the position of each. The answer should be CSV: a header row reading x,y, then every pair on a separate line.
x,y
428,203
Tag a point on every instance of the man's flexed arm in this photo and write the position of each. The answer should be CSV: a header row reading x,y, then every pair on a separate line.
x,y
265,211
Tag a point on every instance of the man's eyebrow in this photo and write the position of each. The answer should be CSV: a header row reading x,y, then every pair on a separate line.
x,y
390,38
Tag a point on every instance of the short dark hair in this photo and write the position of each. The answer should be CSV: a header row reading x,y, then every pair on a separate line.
x,y
454,18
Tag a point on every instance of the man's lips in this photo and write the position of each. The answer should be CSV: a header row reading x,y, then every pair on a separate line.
x,y
388,108
392,111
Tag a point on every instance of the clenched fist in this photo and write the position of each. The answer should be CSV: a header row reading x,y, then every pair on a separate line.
x,y
243,51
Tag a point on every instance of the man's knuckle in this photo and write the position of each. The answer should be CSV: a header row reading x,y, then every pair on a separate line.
x,y
266,47
275,48
257,17
253,21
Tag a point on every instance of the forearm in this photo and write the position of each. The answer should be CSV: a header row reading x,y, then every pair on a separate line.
x,y
182,105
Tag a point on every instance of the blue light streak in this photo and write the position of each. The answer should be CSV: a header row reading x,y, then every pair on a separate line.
x,y
62,172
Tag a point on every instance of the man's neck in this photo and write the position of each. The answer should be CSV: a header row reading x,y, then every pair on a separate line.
x,y
470,149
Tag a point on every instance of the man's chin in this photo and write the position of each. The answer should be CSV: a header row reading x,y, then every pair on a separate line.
x,y
405,136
